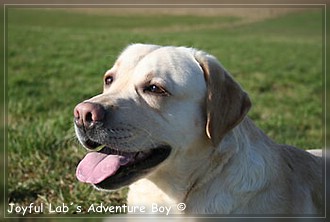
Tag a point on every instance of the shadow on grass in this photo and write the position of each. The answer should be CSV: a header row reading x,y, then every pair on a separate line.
x,y
24,194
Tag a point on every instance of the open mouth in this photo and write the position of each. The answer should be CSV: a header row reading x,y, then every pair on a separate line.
x,y
111,169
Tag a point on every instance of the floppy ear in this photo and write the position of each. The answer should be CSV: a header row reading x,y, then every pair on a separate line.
x,y
226,103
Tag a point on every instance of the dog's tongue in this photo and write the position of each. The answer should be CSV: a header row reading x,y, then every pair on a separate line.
x,y
95,167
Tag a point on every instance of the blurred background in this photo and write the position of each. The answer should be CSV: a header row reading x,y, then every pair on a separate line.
x,y
56,57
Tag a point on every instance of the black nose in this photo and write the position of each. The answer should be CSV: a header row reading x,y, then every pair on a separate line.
x,y
87,114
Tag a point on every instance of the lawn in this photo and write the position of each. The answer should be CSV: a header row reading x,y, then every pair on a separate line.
x,y
56,59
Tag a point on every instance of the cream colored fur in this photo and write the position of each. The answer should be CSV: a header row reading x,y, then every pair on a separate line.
x,y
221,163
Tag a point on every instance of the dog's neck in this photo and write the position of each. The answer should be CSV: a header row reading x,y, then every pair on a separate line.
x,y
181,183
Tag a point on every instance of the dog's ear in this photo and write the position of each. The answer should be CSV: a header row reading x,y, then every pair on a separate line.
x,y
226,103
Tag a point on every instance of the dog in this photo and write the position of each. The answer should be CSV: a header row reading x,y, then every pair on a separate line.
x,y
172,124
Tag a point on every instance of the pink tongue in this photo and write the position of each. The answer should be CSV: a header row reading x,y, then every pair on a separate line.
x,y
95,167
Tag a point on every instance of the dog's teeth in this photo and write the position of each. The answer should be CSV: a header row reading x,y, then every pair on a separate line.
x,y
99,148
124,160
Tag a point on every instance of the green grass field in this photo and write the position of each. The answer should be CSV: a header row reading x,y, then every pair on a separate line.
x,y
56,59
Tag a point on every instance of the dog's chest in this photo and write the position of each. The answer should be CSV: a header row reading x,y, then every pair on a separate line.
x,y
146,194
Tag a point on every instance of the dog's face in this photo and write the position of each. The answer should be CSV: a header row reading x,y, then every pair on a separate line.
x,y
157,102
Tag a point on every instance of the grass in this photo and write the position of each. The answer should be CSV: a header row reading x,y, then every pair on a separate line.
x,y
56,59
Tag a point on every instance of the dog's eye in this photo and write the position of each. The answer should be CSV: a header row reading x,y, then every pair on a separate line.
x,y
108,80
156,90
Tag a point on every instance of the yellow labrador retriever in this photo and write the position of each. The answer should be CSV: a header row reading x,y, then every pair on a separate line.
x,y
171,123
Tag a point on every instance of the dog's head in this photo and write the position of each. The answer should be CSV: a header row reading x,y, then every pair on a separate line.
x,y
157,102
